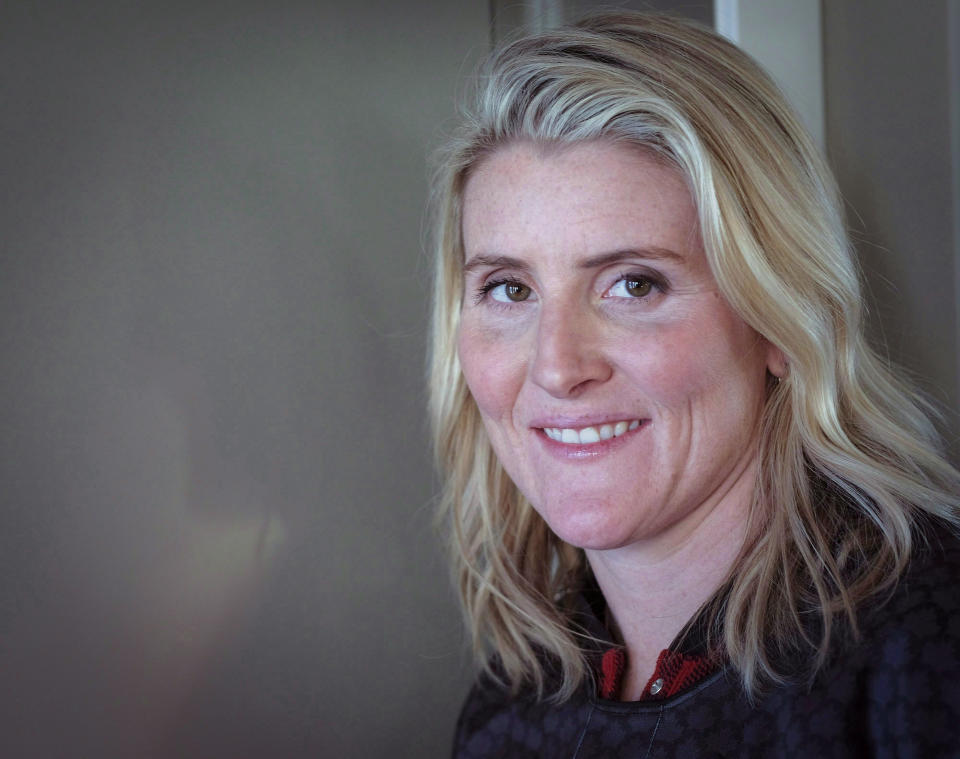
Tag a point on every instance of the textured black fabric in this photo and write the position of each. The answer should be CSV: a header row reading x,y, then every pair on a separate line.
x,y
895,694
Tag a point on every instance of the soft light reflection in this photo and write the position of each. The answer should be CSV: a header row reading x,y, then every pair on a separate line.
x,y
196,547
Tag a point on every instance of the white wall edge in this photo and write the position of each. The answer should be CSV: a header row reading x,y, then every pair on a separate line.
x,y
726,17
786,38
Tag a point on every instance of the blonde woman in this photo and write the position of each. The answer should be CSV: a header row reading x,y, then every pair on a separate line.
x,y
691,512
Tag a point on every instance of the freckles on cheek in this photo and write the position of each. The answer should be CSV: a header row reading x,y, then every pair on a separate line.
x,y
671,370
488,371
698,372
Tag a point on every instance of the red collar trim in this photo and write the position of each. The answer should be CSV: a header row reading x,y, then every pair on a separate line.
x,y
675,672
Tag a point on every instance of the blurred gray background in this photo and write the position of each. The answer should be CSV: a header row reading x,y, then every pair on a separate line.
x,y
216,486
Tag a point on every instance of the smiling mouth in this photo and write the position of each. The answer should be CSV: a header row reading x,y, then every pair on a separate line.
x,y
589,435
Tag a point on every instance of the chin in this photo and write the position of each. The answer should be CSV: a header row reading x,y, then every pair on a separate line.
x,y
591,526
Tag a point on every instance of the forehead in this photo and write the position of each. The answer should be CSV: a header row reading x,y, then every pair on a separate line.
x,y
575,199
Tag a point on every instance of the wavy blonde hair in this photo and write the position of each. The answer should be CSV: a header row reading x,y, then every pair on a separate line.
x,y
849,461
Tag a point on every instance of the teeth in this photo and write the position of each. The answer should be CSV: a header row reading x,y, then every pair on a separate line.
x,y
588,435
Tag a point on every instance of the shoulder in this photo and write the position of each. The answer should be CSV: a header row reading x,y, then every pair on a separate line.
x,y
910,656
895,691
924,608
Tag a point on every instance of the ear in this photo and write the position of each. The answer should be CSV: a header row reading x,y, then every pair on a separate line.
x,y
776,362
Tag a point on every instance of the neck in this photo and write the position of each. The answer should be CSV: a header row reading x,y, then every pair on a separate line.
x,y
654,587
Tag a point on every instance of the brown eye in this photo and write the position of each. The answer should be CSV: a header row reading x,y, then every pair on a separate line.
x,y
518,292
510,292
637,287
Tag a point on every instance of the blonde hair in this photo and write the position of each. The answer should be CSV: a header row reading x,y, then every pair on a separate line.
x,y
849,459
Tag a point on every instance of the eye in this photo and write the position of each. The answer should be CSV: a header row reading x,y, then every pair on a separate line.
x,y
631,286
509,292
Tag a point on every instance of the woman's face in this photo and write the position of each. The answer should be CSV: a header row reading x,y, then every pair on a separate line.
x,y
619,390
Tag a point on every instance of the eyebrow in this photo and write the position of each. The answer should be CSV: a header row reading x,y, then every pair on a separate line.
x,y
593,262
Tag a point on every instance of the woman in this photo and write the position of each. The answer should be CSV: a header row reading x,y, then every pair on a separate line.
x,y
692,513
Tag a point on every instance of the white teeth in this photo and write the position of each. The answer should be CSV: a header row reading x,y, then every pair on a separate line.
x,y
587,435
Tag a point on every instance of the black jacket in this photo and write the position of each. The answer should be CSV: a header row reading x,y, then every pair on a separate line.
x,y
895,694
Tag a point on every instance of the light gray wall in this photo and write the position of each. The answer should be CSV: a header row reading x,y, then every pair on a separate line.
x,y
785,36
699,10
889,93
512,17
216,533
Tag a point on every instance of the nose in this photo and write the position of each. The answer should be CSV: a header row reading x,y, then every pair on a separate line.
x,y
569,352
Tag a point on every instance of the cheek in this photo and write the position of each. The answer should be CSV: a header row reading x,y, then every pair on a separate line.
x,y
493,373
667,366
697,362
